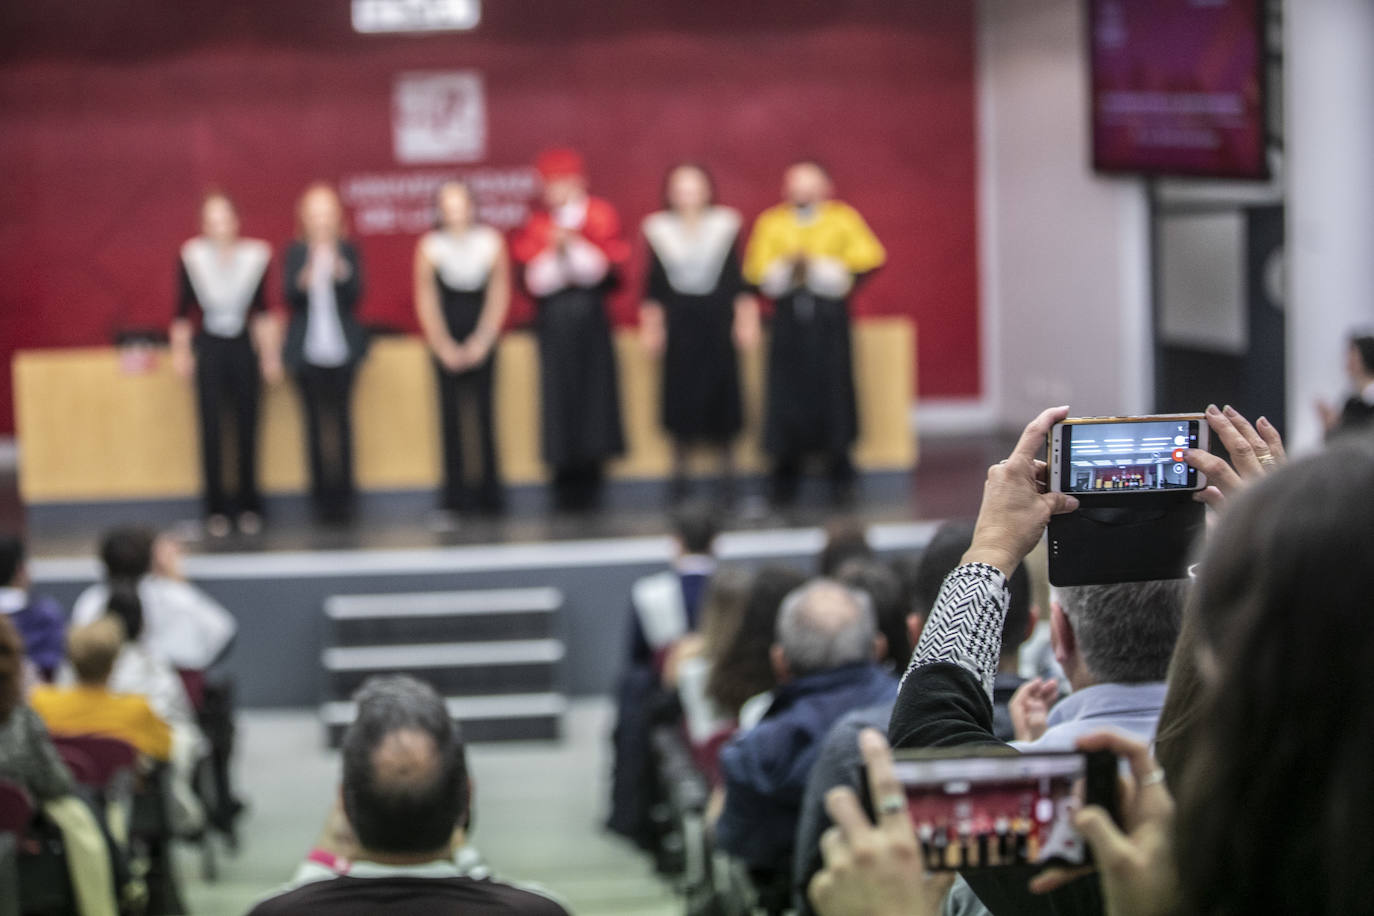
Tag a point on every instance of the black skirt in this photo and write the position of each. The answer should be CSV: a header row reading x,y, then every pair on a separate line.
x,y
701,388
577,380
811,401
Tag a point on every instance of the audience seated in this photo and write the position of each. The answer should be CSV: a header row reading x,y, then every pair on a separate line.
x,y
90,707
29,760
688,667
742,676
825,660
839,763
1266,765
39,619
1114,643
139,672
1269,767
183,627
884,590
405,800
664,608
846,538
27,756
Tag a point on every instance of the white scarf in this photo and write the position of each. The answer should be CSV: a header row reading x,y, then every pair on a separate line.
x,y
225,280
463,262
692,256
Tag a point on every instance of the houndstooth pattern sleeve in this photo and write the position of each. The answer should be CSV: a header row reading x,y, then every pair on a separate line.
x,y
965,626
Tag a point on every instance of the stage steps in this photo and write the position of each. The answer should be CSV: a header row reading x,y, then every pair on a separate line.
x,y
496,655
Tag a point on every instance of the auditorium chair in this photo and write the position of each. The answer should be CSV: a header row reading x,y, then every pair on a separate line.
x,y
32,858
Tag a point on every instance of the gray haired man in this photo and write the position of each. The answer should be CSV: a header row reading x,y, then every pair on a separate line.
x,y
825,658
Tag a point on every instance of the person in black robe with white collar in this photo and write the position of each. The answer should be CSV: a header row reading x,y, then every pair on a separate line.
x,y
229,350
462,294
696,310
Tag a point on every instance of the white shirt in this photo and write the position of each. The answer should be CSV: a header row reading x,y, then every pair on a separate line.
x,y
325,344
181,624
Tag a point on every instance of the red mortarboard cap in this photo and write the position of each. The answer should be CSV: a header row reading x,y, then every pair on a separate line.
x,y
561,162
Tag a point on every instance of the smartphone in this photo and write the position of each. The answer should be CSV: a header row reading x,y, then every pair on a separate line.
x,y
979,812
1113,455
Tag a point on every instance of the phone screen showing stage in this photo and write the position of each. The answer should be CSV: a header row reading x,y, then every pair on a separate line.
x,y
991,812
1116,457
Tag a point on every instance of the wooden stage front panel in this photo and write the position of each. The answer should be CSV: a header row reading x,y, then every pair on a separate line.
x,y
96,425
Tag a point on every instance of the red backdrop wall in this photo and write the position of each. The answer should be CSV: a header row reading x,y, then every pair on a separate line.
x,y
116,116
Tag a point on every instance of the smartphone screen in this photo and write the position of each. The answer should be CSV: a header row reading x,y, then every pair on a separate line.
x,y
1145,455
990,812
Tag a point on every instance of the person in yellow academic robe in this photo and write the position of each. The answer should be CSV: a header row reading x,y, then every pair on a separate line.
x,y
806,254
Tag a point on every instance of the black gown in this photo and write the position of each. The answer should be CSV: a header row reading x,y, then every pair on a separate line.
x,y
701,386
810,385
577,378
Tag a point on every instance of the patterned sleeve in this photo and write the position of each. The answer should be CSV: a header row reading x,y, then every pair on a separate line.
x,y
965,627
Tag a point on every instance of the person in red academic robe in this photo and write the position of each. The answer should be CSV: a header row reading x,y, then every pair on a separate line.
x,y
569,254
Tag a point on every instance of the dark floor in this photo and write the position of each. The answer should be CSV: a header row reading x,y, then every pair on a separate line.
x,y
946,484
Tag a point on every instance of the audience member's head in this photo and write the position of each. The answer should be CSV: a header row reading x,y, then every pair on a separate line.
x,y
93,649
125,606
1273,802
12,570
11,668
884,591
744,669
906,567
1117,634
722,608
824,625
127,553
942,556
695,526
405,780
1360,359
845,539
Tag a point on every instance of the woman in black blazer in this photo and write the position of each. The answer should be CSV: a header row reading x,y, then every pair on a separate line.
x,y
324,344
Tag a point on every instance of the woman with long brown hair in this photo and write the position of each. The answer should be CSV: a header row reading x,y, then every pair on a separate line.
x,y
325,343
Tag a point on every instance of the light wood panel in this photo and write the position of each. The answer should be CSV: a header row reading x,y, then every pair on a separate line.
x,y
95,424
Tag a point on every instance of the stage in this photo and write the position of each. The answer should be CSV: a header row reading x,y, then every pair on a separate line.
x,y
514,615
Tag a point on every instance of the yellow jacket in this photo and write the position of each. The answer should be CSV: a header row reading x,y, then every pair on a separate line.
x,y
837,232
84,710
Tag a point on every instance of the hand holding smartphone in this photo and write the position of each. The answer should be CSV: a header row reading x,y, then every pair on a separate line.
x,y
1116,455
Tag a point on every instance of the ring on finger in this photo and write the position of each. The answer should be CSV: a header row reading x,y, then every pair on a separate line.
x,y
1268,460
891,804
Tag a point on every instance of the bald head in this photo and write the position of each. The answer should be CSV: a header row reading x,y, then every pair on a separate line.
x,y
824,625
407,760
405,783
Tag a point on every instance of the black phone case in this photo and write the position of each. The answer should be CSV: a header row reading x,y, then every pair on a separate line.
x,y
1128,537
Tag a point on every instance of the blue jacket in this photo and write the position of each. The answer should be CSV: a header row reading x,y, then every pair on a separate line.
x,y
766,769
